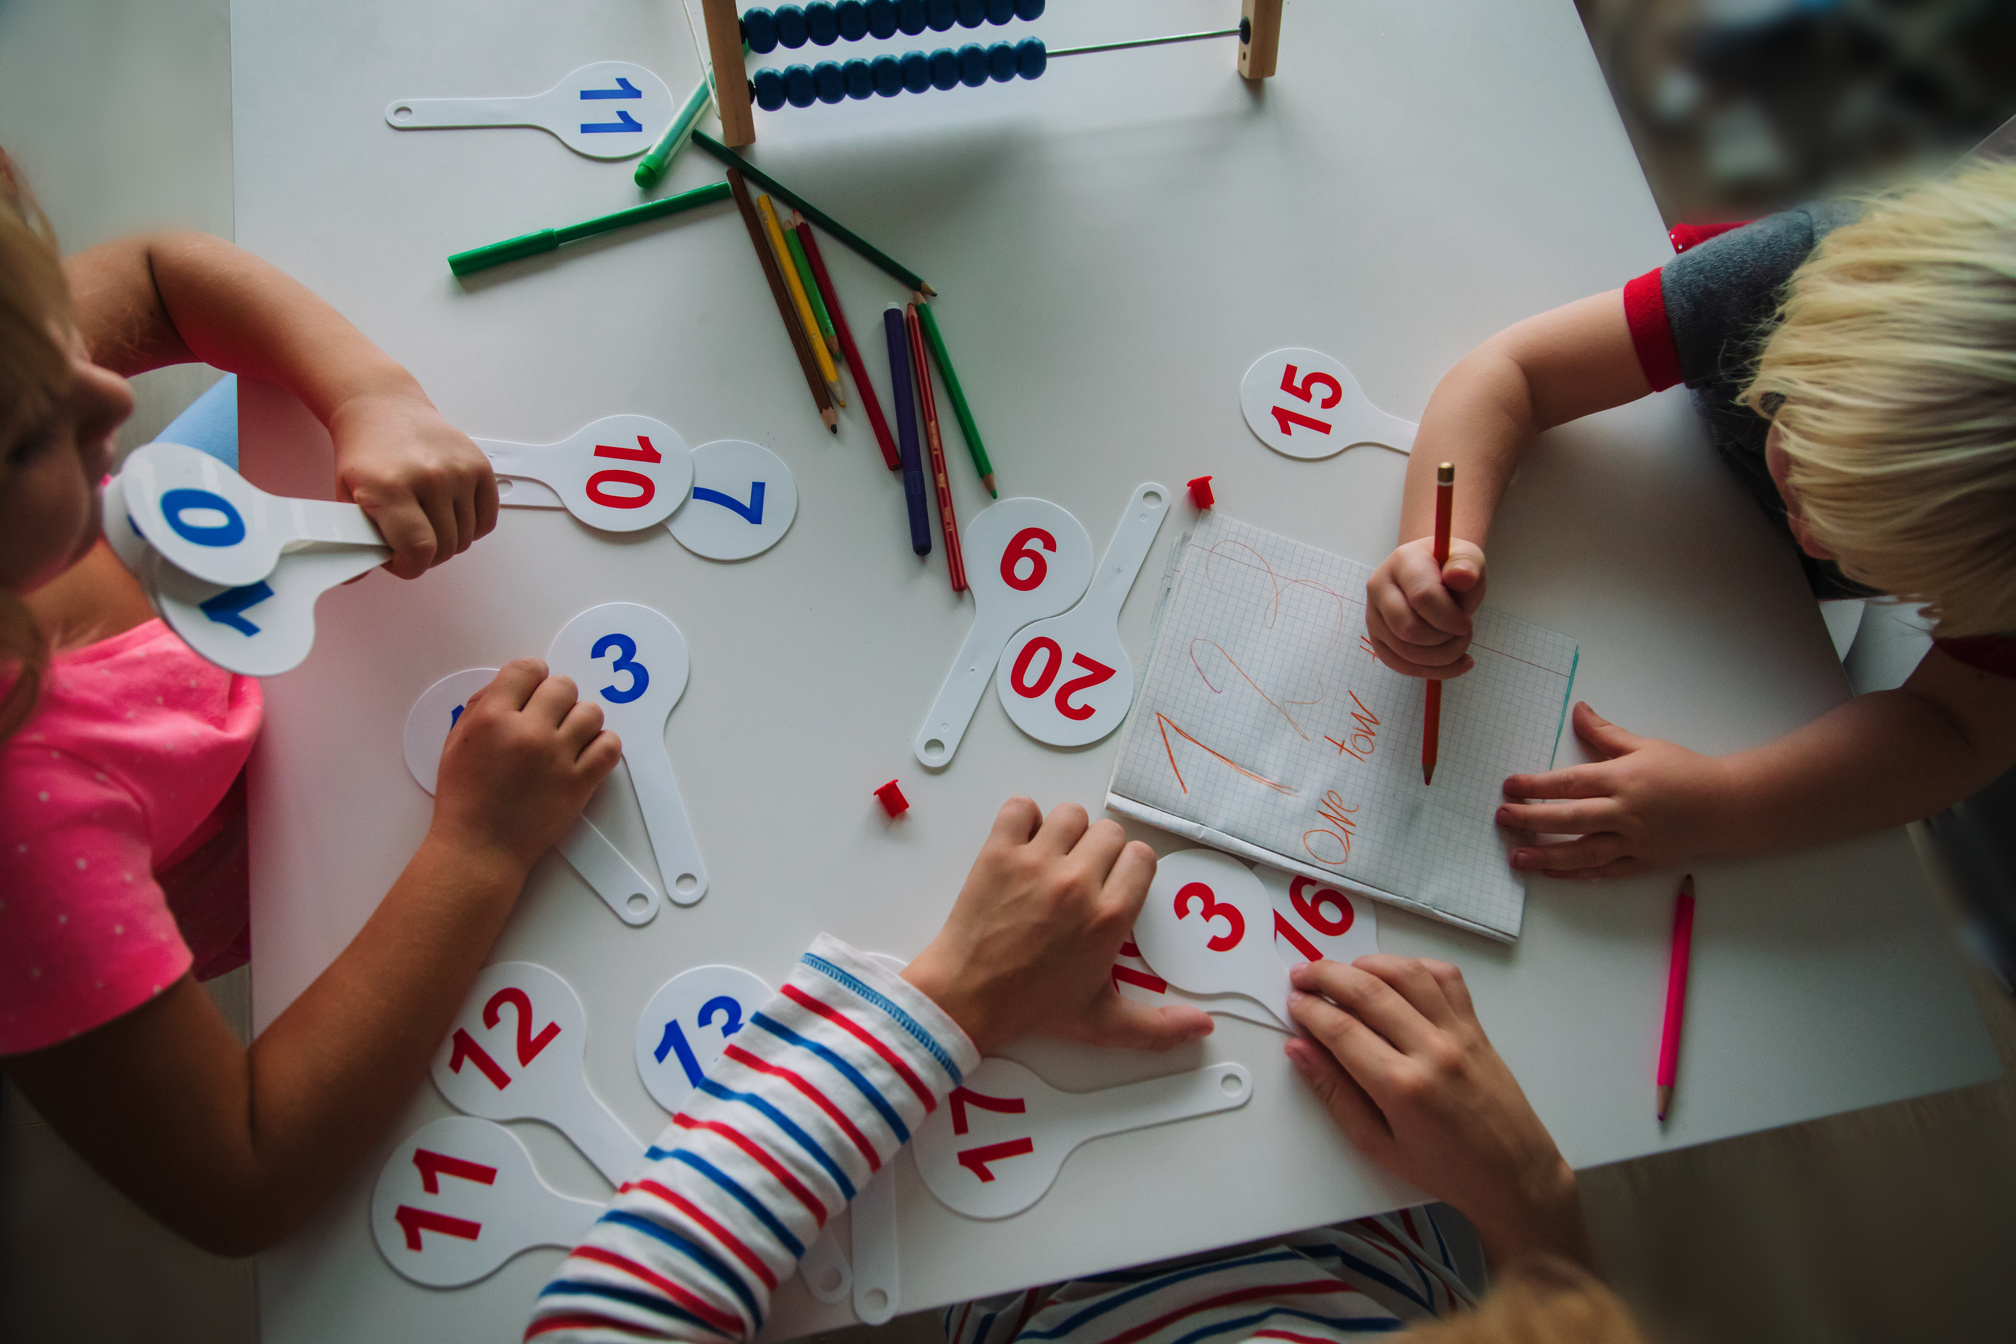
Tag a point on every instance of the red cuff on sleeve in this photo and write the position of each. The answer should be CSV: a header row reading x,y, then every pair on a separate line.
x,y
1994,654
1685,236
1651,334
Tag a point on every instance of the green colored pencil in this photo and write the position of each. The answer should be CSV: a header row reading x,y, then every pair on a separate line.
x,y
652,166
805,277
825,221
546,240
959,406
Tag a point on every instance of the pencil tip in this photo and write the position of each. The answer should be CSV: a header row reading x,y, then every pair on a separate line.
x,y
988,481
930,292
1427,776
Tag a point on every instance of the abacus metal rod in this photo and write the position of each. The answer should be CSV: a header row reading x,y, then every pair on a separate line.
x,y
1144,42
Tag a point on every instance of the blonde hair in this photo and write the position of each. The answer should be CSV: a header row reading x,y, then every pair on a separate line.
x,y
34,379
1891,379
1542,1300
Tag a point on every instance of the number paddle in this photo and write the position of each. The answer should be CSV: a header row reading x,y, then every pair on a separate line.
x,y
687,1025
1079,653
1302,403
621,473
1025,559
1205,928
608,110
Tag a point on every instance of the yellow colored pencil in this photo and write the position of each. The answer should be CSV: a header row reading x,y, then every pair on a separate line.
x,y
797,288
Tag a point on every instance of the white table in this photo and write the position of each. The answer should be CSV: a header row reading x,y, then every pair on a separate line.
x,y
1114,243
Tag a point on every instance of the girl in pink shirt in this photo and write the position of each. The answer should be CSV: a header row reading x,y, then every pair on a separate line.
x,y
122,829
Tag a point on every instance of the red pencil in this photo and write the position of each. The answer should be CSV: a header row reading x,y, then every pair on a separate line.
x,y
948,522
1431,719
830,293
1676,995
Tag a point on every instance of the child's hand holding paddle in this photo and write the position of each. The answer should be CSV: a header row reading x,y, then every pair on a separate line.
x,y
421,480
1418,613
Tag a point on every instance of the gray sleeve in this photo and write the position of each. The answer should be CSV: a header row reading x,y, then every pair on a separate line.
x,y
1721,296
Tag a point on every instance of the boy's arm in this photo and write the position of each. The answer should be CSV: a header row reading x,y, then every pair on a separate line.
x,y
179,297
1486,412
1880,760
232,1146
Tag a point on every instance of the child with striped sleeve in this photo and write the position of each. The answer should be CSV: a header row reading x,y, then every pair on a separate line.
x,y
836,1072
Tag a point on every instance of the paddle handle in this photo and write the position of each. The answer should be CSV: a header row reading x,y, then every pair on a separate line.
x,y
665,819
319,520
1116,1110
959,697
563,1220
423,114
610,875
601,1138
876,1286
1128,550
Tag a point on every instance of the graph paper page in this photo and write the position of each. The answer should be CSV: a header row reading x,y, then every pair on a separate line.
x,y
1264,721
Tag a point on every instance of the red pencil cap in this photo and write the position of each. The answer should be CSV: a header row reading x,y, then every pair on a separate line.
x,y
1200,492
893,801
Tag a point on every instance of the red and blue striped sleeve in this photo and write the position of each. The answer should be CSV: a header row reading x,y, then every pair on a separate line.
x,y
827,1082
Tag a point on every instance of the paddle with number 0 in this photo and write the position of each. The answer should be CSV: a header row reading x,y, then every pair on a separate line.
x,y
622,473
516,1052
632,661
627,892
608,110
1025,559
1067,680
996,1146
459,1197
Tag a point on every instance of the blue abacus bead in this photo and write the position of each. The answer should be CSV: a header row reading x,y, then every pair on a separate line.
x,y
828,82
972,13
860,79
944,69
1001,62
822,24
1000,11
759,30
853,16
941,14
916,68
910,16
769,86
1029,11
1031,58
799,90
972,65
790,22
882,17
887,72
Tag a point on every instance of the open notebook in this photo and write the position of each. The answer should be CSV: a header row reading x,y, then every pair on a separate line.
x,y
1265,727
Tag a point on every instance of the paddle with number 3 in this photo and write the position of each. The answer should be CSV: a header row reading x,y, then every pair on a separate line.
x,y
622,473
996,1146
1067,680
460,1197
1025,559
1207,927
632,661
516,1052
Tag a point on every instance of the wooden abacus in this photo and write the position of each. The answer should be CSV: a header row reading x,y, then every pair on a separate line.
x,y
822,23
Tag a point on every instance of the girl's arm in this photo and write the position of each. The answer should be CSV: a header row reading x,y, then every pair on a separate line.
x,y
1880,760
232,1146
1484,416
174,298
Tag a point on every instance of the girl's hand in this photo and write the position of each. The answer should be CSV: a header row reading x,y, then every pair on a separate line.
x,y
1418,614
1402,1064
427,487
1029,947
519,764
1648,804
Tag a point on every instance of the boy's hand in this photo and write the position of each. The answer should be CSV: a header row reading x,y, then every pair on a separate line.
x,y
427,487
1029,947
520,763
1402,1064
1647,805
1418,614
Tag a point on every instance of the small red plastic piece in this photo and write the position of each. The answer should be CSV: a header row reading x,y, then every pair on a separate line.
x,y
893,801
1200,492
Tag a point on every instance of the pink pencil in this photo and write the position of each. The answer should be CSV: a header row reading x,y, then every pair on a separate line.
x,y
1676,993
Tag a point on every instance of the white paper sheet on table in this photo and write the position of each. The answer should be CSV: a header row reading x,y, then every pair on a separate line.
x,y
1265,727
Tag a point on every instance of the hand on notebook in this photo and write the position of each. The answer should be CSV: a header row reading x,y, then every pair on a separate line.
x,y
1647,804
1402,1064
1028,949
1418,614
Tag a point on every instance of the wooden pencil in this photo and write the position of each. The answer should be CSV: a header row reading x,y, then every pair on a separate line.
x,y
810,282
747,208
775,233
936,341
948,521
1431,719
866,385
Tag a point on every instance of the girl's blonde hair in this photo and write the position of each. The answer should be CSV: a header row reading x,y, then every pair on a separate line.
x,y
34,379
1891,379
1540,1300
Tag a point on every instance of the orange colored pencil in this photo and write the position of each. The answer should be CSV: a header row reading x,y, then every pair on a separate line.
x,y
1431,719
948,522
